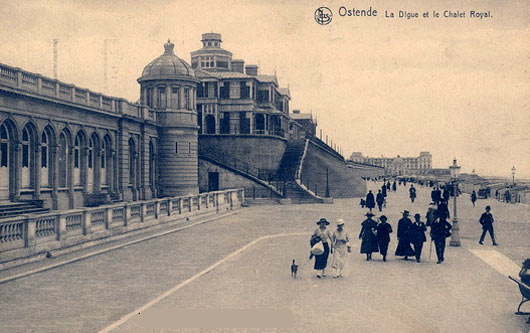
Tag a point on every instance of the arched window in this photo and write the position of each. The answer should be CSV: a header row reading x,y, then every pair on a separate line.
x,y
152,167
210,124
63,160
78,142
91,160
45,158
106,161
5,153
27,157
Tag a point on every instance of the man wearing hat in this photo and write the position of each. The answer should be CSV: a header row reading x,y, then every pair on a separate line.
x,y
367,234
340,244
417,236
403,234
486,220
324,235
384,230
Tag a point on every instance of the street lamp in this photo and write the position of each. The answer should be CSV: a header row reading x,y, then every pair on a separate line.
x,y
455,173
513,175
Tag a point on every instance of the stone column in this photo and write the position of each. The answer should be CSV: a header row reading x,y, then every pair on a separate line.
x,y
70,176
84,169
37,170
17,168
96,168
53,166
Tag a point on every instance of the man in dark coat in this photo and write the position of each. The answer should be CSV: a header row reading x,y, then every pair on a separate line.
x,y
437,195
383,235
440,230
388,185
446,194
367,234
370,200
443,210
433,195
379,199
412,193
473,197
486,219
383,190
403,234
394,187
417,236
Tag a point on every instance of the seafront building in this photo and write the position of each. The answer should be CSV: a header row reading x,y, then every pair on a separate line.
x,y
398,165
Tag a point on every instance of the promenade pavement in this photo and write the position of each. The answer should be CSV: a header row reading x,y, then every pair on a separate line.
x,y
217,276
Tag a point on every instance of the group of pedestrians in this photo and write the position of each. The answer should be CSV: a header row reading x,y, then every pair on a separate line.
x,y
375,235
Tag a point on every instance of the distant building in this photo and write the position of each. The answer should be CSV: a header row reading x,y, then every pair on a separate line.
x,y
397,165
305,120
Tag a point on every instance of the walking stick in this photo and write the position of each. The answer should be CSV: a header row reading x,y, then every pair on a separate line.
x,y
430,250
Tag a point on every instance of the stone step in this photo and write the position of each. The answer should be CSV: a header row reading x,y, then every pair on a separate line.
x,y
11,213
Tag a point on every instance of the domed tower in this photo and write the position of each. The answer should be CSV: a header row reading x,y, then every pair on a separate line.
x,y
168,86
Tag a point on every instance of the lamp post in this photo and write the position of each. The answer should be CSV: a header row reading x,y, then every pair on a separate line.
x,y
455,173
513,175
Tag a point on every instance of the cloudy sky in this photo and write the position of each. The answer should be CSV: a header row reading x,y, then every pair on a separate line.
x,y
457,87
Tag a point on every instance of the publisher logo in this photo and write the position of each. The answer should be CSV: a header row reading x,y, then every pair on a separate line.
x,y
323,15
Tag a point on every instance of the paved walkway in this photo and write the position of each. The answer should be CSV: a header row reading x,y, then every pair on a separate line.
x,y
217,275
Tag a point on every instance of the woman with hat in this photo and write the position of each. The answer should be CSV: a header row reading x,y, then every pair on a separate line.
x,y
321,260
384,230
340,243
368,236
403,234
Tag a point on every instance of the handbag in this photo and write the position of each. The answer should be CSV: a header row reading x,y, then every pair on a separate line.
x,y
317,249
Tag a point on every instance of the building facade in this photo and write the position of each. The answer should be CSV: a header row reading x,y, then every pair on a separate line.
x,y
69,146
397,165
236,99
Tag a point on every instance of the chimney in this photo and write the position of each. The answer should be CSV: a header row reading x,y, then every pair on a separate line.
x,y
238,65
251,70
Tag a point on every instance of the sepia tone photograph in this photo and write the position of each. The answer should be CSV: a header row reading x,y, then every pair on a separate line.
x,y
264,166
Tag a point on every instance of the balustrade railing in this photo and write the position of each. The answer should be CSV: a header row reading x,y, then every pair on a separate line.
x,y
35,83
28,231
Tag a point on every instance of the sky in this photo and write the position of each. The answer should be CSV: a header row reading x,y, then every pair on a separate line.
x,y
456,87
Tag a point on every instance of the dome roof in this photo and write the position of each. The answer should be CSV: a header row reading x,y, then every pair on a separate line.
x,y
167,66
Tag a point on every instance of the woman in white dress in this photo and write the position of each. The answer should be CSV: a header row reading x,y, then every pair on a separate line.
x,y
340,244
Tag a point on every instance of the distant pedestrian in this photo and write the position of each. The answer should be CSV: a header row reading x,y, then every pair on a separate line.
x,y
383,190
362,203
340,243
418,236
412,193
431,215
507,196
433,195
403,235
383,235
440,230
379,199
443,210
394,187
370,200
473,197
486,220
294,269
446,194
388,185
368,236
324,235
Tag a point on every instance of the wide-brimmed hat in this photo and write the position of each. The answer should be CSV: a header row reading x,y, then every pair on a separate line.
x,y
340,222
369,214
323,221
406,212
383,217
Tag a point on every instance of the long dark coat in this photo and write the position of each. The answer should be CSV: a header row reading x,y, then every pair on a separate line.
x,y
403,234
370,201
369,239
379,198
440,229
417,233
383,236
383,190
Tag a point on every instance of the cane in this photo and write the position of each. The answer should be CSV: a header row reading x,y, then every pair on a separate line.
x,y
430,250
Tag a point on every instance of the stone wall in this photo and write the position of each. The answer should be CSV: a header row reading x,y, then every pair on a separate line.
x,y
344,182
229,179
257,151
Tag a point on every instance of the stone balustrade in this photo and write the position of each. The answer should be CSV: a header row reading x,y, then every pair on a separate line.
x,y
27,235
51,88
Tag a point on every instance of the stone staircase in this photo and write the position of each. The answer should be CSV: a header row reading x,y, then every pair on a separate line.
x,y
288,166
10,209
298,195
